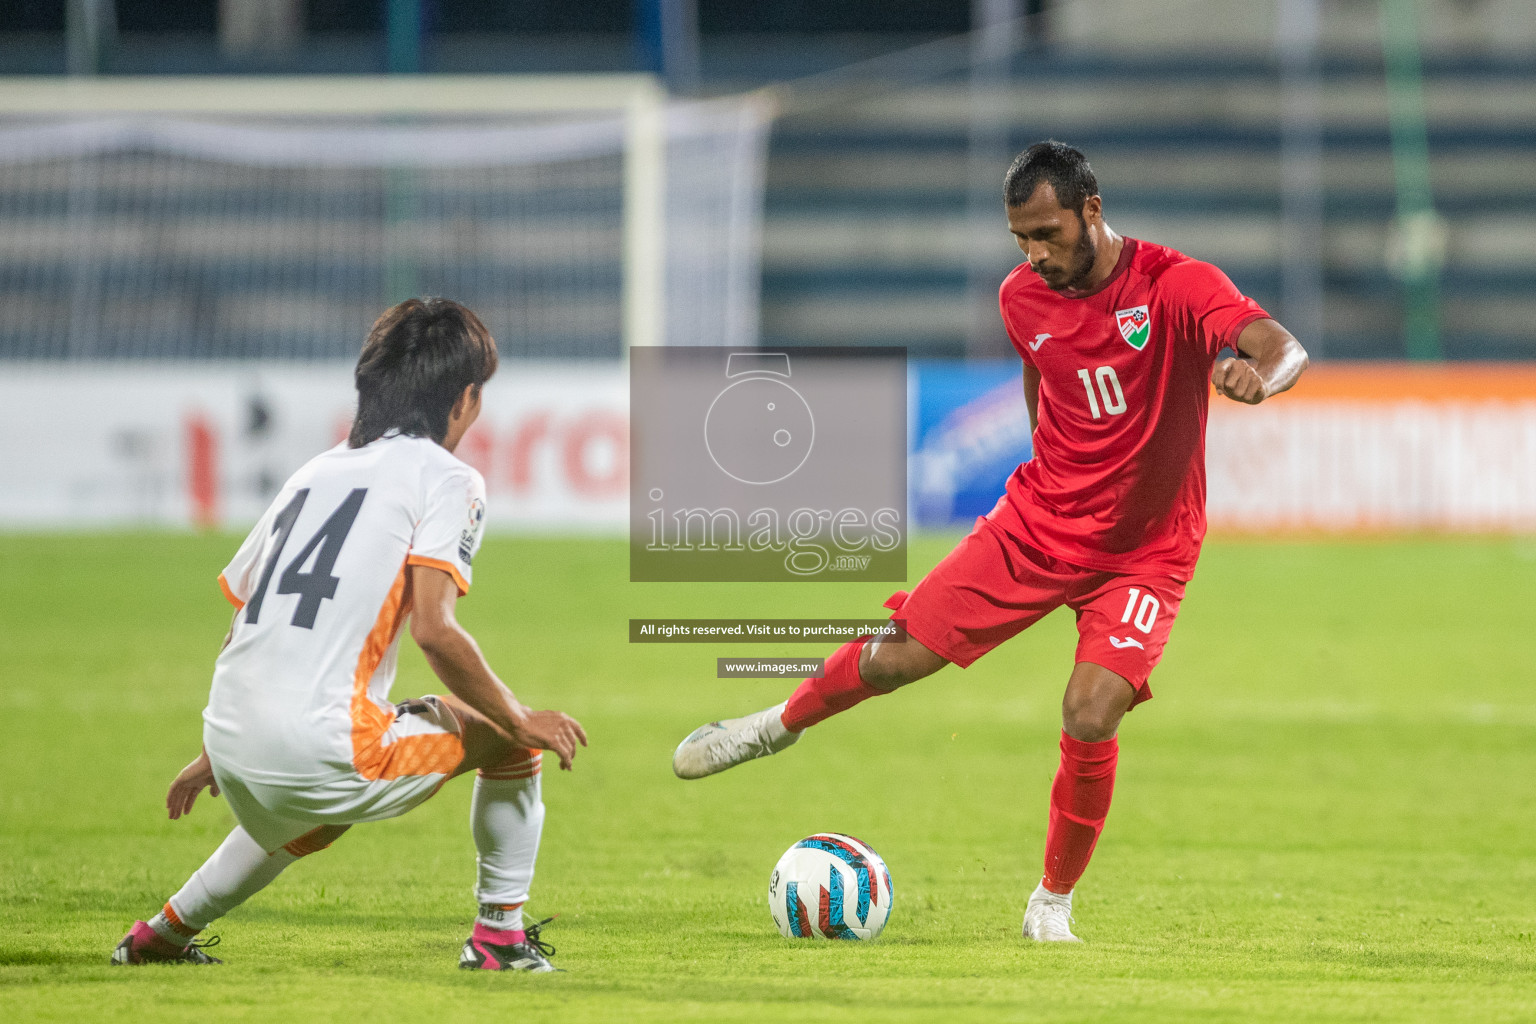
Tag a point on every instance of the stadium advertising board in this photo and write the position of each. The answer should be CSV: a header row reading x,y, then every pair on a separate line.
x,y
970,429
1365,447
180,445
1352,448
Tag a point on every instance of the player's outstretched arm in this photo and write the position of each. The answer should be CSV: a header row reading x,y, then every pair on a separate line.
x,y
456,658
1270,361
191,781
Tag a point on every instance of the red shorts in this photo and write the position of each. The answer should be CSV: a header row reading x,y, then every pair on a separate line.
x,y
994,585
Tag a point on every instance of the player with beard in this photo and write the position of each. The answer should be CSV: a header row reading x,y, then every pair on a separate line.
x,y
1121,342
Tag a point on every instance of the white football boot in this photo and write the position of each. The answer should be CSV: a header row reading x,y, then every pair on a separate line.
x,y
1048,917
720,745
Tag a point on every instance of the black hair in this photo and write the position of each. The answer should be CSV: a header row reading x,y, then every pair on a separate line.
x,y
1065,169
419,357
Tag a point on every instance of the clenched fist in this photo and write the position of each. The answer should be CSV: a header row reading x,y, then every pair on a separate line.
x,y
1239,380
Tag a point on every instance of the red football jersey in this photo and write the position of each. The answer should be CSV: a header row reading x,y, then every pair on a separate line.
x,y
1117,481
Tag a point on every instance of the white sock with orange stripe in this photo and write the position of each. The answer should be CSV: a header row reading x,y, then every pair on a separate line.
x,y
237,871
507,816
170,927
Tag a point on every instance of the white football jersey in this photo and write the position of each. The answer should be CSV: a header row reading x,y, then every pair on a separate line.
x,y
322,586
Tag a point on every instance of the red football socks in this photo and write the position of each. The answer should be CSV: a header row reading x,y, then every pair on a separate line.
x,y
839,689
1079,804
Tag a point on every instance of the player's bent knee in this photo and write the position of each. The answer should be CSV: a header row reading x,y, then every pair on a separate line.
x,y
519,763
889,665
1090,725
1095,702
485,745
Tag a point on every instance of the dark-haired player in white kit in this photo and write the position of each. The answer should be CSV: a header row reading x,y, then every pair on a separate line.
x,y
1121,342
299,734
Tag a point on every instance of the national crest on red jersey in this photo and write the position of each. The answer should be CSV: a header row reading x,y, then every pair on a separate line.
x,y
1117,481
1135,326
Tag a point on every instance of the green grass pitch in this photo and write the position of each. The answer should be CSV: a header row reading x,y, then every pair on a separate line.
x,y
1326,814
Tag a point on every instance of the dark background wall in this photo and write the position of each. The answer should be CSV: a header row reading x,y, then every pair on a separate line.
x,y
530,16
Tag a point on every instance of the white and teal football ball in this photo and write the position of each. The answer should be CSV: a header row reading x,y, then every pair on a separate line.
x,y
830,886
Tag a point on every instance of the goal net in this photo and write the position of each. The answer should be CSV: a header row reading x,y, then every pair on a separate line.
x,y
274,219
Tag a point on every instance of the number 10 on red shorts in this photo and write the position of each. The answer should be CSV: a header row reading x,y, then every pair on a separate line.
x,y
994,585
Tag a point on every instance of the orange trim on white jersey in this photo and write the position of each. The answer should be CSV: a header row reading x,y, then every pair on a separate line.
x,y
434,754
447,567
229,594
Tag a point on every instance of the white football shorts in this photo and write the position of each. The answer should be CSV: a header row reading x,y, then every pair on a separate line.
x,y
276,815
